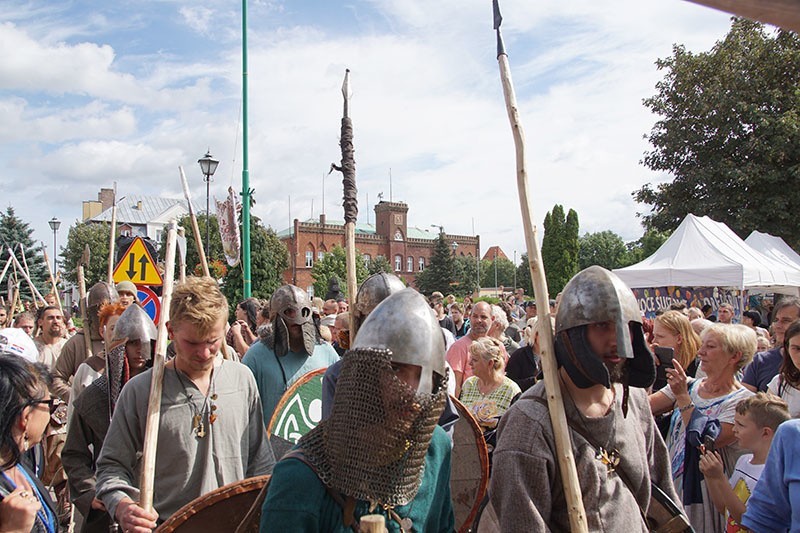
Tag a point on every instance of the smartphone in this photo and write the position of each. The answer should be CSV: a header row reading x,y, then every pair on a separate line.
x,y
708,444
665,356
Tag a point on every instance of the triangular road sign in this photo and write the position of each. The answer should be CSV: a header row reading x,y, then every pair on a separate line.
x,y
137,265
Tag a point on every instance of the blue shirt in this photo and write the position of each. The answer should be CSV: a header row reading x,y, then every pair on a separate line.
x,y
775,502
270,372
763,367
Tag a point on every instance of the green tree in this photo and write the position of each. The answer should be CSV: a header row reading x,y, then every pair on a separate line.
x,y
505,272
96,235
524,275
335,263
466,281
268,260
560,247
728,134
646,245
15,232
378,265
440,274
604,248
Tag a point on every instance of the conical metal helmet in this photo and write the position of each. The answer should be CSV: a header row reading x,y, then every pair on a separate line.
x,y
596,295
101,292
373,291
135,324
405,324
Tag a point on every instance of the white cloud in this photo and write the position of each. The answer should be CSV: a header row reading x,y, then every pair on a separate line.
x,y
427,103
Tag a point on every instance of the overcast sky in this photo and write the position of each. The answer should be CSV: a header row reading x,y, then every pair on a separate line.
x,y
96,92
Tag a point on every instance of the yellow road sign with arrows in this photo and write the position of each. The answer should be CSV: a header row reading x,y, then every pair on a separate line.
x,y
137,266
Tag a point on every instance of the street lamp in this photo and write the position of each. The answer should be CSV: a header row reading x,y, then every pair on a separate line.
x,y
495,273
208,165
54,225
515,271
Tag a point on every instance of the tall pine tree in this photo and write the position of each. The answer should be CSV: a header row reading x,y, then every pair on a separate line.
x,y
560,248
441,273
13,233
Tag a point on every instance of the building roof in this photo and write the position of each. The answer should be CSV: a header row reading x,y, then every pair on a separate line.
x,y
492,251
129,212
364,229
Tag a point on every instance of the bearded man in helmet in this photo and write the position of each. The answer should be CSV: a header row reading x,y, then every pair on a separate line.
x,y
289,349
74,351
128,353
380,450
604,368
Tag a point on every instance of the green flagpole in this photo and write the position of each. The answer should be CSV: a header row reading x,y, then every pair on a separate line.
x,y
246,192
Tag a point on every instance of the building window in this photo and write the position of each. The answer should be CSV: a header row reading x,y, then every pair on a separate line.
x,y
421,264
398,263
367,260
309,258
320,255
310,291
410,263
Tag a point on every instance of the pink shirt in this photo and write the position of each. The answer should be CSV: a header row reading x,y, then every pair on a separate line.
x,y
458,356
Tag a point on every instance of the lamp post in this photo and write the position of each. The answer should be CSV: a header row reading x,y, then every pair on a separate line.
x,y
54,225
208,165
515,271
495,273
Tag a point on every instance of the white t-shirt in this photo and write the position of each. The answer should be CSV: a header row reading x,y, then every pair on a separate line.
x,y
743,481
789,394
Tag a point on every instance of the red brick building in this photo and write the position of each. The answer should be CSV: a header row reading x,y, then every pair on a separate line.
x,y
408,249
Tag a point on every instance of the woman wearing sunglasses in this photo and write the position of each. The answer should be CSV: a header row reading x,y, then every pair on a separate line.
x,y
25,408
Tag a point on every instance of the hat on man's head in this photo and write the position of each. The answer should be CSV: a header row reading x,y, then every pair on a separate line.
x,y
530,303
14,341
127,286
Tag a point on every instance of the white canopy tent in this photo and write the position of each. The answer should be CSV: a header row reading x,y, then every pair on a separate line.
x,y
774,247
704,253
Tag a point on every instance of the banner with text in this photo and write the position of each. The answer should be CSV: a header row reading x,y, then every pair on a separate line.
x,y
652,299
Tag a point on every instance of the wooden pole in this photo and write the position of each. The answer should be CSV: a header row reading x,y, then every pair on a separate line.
x,y
34,291
198,240
372,523
159,360
87,333
5,270
555,403
182,255
112,241
52,279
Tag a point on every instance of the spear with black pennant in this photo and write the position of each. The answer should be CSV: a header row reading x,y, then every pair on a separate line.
x,y
350,199
555,403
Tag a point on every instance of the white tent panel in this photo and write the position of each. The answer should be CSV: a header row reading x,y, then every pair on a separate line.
x,y
774,247
705,253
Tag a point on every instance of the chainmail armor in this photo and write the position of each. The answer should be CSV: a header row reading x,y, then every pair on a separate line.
x,y
366,449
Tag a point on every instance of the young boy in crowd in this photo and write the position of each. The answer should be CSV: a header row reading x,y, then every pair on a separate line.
x,y
755,422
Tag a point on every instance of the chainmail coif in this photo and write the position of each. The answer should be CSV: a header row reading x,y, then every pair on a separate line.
x,y
373,445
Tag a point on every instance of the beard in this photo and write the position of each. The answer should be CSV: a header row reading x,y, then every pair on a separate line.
x,y
616,371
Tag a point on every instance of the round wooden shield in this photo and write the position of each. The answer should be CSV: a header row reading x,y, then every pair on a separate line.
x,y
299,410
222,509
469,471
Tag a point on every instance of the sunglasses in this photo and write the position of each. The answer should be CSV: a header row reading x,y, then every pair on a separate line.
x,y
52,403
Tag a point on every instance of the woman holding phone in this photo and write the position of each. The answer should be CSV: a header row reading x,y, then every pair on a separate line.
x,y
673,330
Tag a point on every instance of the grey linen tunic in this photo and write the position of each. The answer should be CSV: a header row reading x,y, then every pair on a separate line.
x,y
526,490
235,447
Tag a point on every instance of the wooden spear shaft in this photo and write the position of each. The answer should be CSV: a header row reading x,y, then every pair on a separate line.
x,y
27,271
34,291
555,403
198,240
52,279
156,384
112,241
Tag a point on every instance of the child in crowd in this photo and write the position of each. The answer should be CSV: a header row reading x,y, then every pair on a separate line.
x,y
755,422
